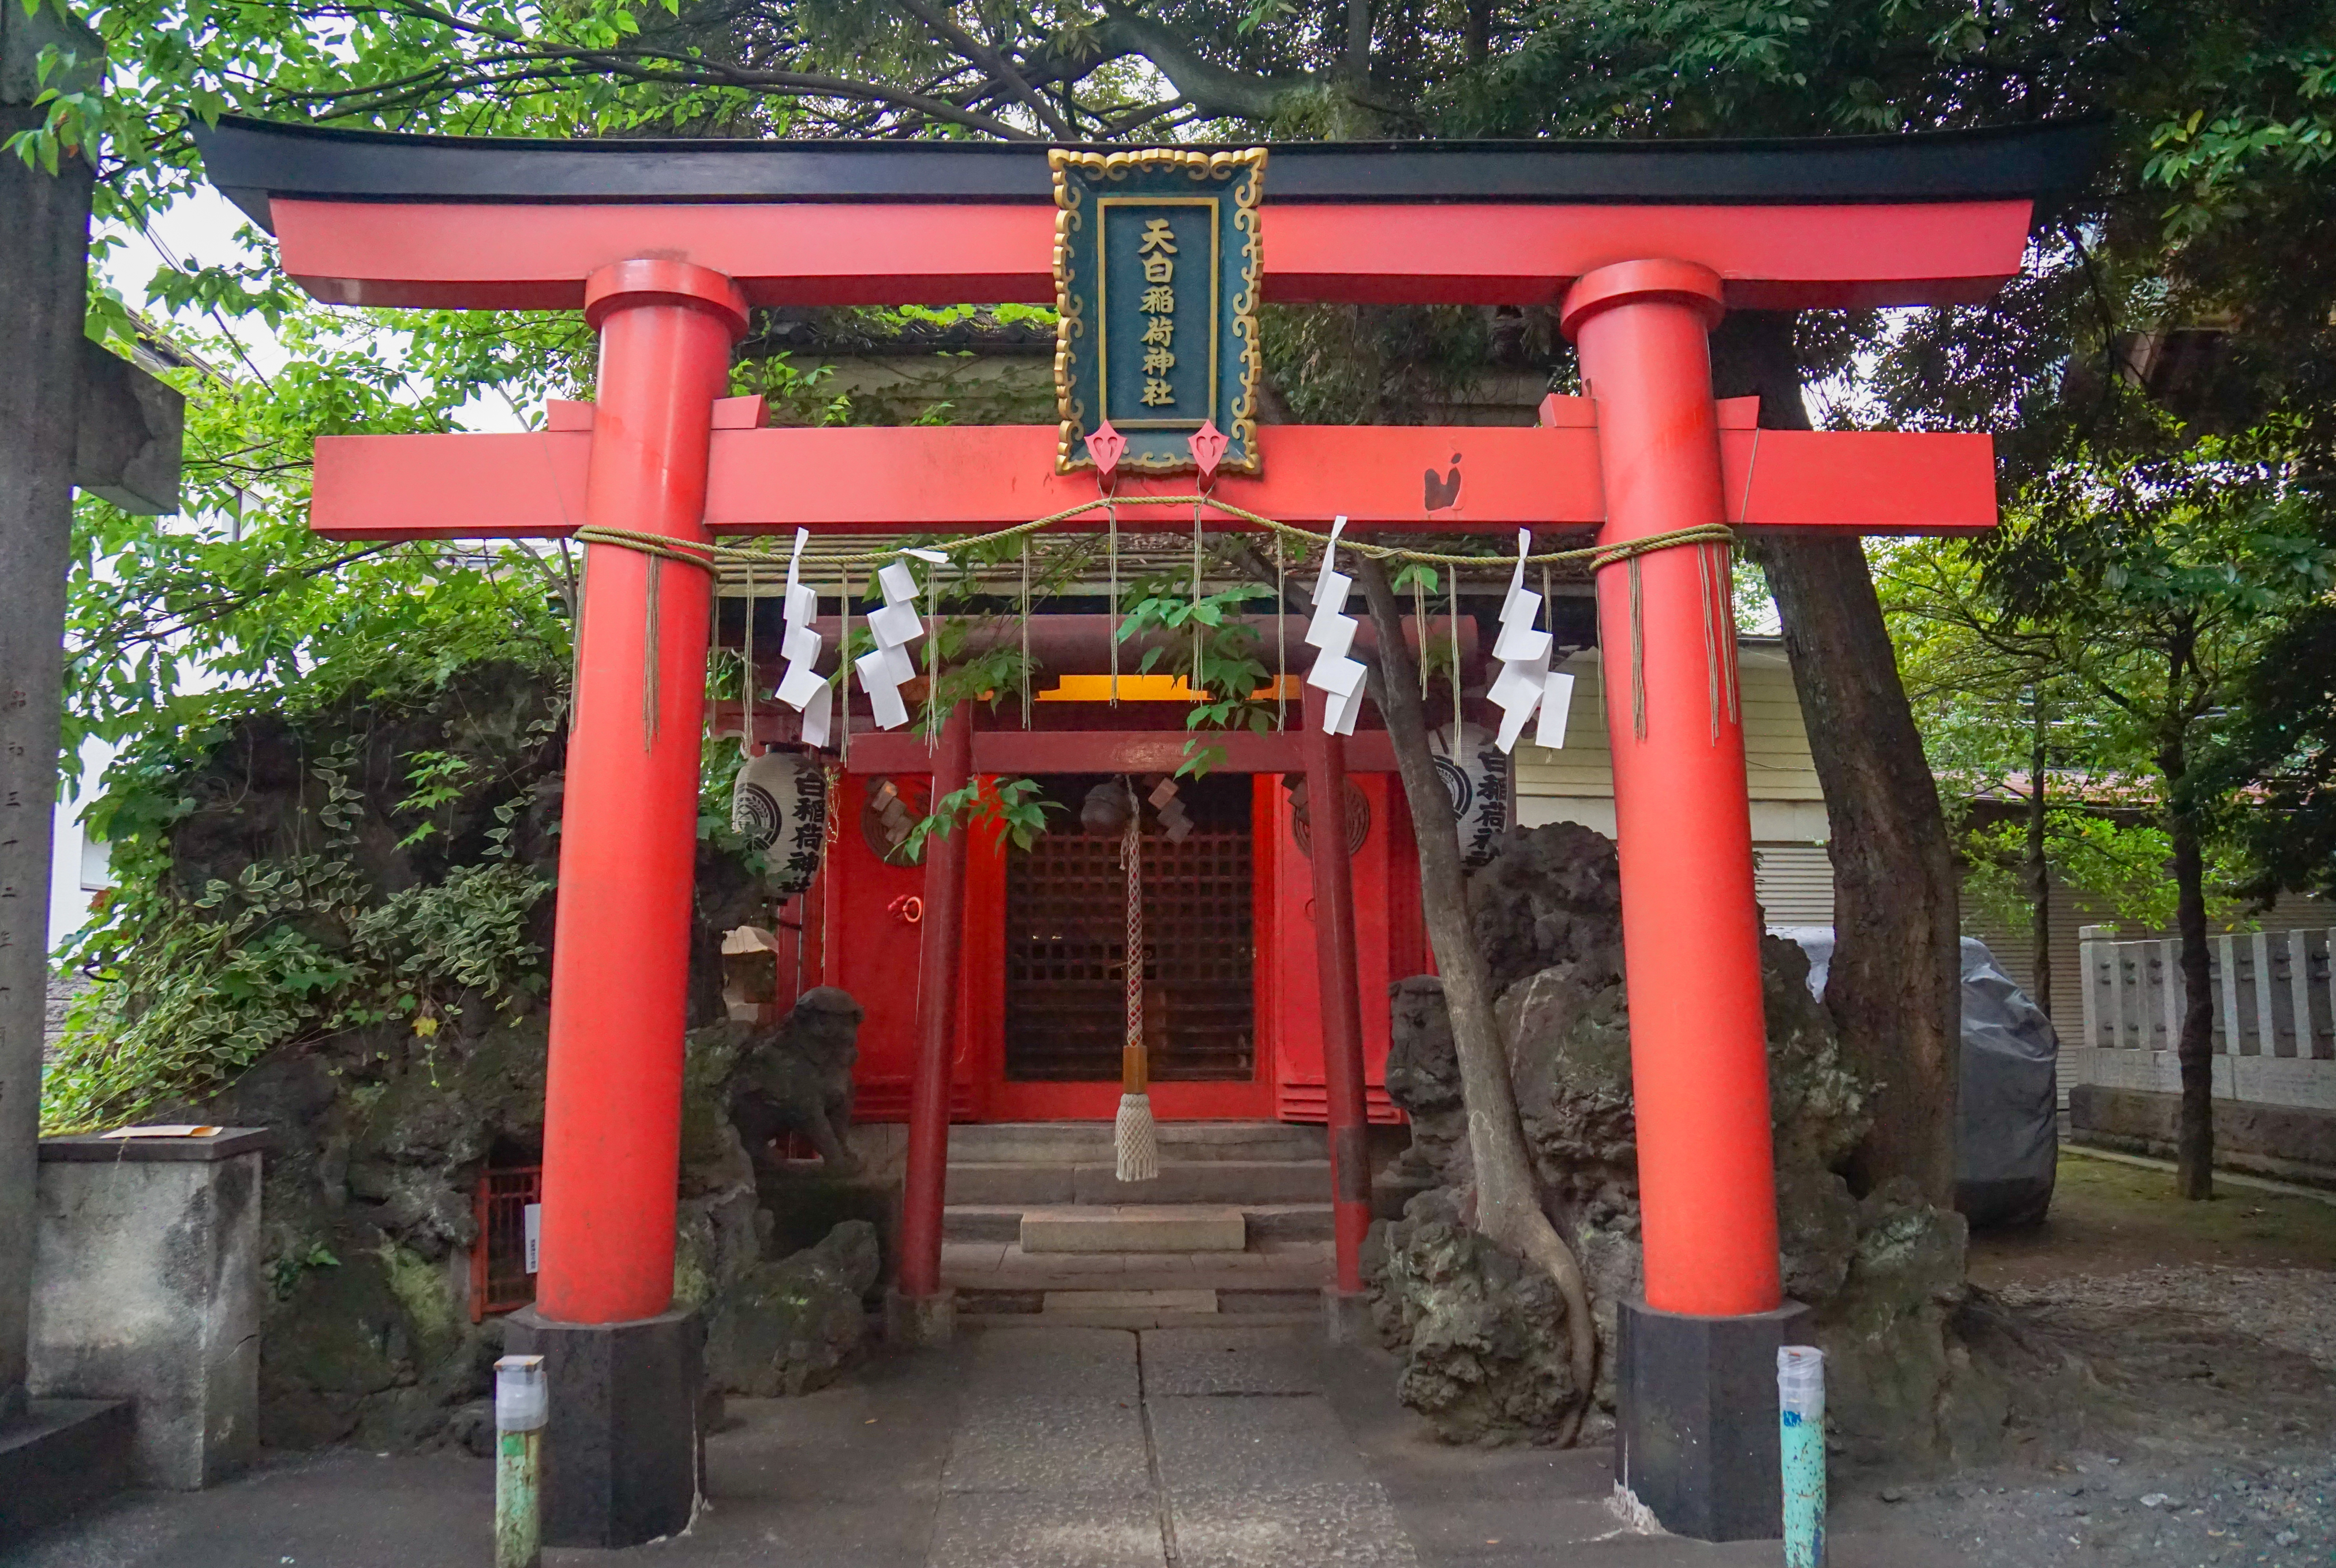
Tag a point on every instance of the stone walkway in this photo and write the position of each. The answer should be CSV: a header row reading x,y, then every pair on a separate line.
x,y
1020,1446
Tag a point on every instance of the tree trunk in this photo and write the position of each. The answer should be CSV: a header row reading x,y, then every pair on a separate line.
x,y
1895,986
2039,868
1508,1198
2193,1143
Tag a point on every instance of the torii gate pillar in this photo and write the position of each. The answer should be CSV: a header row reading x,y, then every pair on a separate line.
x,y
625,1370
1696,1373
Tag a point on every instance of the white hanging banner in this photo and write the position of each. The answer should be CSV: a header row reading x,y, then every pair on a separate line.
x,y
802,687
1332,632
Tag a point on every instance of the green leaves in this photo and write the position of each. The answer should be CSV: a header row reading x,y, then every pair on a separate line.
x,y
1016,808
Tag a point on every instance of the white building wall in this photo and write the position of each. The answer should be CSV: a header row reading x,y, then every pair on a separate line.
x,y
1790,870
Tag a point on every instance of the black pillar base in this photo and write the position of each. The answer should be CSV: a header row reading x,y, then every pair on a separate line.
x,y
624,1446
1695,1438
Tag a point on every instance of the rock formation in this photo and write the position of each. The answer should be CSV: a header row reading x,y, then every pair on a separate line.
x,y
383,1129
1482,1337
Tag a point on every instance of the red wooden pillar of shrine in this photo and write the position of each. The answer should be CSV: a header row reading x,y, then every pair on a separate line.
x,y
1341,1010
925,1305
625,1368
1713,1314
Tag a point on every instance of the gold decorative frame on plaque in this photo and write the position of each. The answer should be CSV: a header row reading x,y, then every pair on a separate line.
x,y
1070,223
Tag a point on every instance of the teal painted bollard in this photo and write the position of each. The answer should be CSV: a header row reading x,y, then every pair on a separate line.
x,y
522,1405
1800,1414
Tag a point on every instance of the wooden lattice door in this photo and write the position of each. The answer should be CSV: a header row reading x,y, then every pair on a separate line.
x,y
1065,943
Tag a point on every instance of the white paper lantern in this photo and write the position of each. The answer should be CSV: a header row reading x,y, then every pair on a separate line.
x,y
1475,774
779,804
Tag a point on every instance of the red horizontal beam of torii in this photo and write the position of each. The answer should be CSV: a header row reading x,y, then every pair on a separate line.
x,y
536,256
973,478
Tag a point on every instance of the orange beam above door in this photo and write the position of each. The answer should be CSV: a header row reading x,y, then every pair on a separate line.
x,y
1024,752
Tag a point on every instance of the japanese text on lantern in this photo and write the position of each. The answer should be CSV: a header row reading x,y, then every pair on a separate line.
x,y
1156,251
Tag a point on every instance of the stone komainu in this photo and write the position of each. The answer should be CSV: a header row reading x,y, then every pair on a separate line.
x,y
795,1076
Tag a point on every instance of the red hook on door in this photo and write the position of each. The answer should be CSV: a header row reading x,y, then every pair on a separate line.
x,y
908,909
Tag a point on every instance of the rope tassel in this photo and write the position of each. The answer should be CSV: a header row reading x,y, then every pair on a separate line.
x,y
1135,1139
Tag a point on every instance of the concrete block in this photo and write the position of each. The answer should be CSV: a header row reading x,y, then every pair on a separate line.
x,y
1149,1228
146,1287
1695,1431
1347,1317
2297,1143
60,1455
920,1319
624,1446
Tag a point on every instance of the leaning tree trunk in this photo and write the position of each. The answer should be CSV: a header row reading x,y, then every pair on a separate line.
x,y
1508,1198
1895,986
2194,1145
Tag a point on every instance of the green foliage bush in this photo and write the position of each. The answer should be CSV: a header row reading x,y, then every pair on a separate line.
x,y
197,984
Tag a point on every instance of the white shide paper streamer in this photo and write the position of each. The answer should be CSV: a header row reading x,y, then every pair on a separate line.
x,y
885,668
1332,632
802,687
1526,682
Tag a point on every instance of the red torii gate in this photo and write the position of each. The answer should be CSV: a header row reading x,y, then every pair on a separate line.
x,y
667,245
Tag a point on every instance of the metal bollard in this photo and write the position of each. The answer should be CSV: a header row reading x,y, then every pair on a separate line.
x,y
522,1405
1800,1414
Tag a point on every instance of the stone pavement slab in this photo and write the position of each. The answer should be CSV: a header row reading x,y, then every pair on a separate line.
x,y
1325,1524
1048,1530
1231,1359
1252,1443
1022,1445
1050,1444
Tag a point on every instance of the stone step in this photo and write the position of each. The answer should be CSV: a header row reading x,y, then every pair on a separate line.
x,y
1239,1181
1090,1143
1137,1308
1261,1221
1135,1228
996,1266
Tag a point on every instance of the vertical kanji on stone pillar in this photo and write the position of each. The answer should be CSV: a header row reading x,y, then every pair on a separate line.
x,y
1696,1375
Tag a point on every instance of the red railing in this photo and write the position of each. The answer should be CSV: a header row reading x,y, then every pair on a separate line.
x,y
500,1281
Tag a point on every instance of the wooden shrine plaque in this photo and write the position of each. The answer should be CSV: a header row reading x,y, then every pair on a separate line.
x,y
1156,264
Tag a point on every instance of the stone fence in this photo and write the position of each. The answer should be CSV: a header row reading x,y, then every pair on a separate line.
x,y
2274,1043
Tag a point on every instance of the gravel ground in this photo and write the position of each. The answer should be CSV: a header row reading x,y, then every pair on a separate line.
x,y
2295,1309
2204,1422
2279,1511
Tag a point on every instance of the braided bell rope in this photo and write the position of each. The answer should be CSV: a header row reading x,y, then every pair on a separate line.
x,y
1135,1141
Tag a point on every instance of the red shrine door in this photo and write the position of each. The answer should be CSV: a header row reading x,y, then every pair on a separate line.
x,y
1229,930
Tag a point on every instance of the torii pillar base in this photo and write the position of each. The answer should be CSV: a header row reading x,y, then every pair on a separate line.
x,y
1695,1419
625,1443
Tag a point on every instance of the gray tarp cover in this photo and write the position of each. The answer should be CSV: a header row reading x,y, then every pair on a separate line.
x,y
2008,1140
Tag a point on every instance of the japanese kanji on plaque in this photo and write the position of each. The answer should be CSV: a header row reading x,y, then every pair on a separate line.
x,y
1156,264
